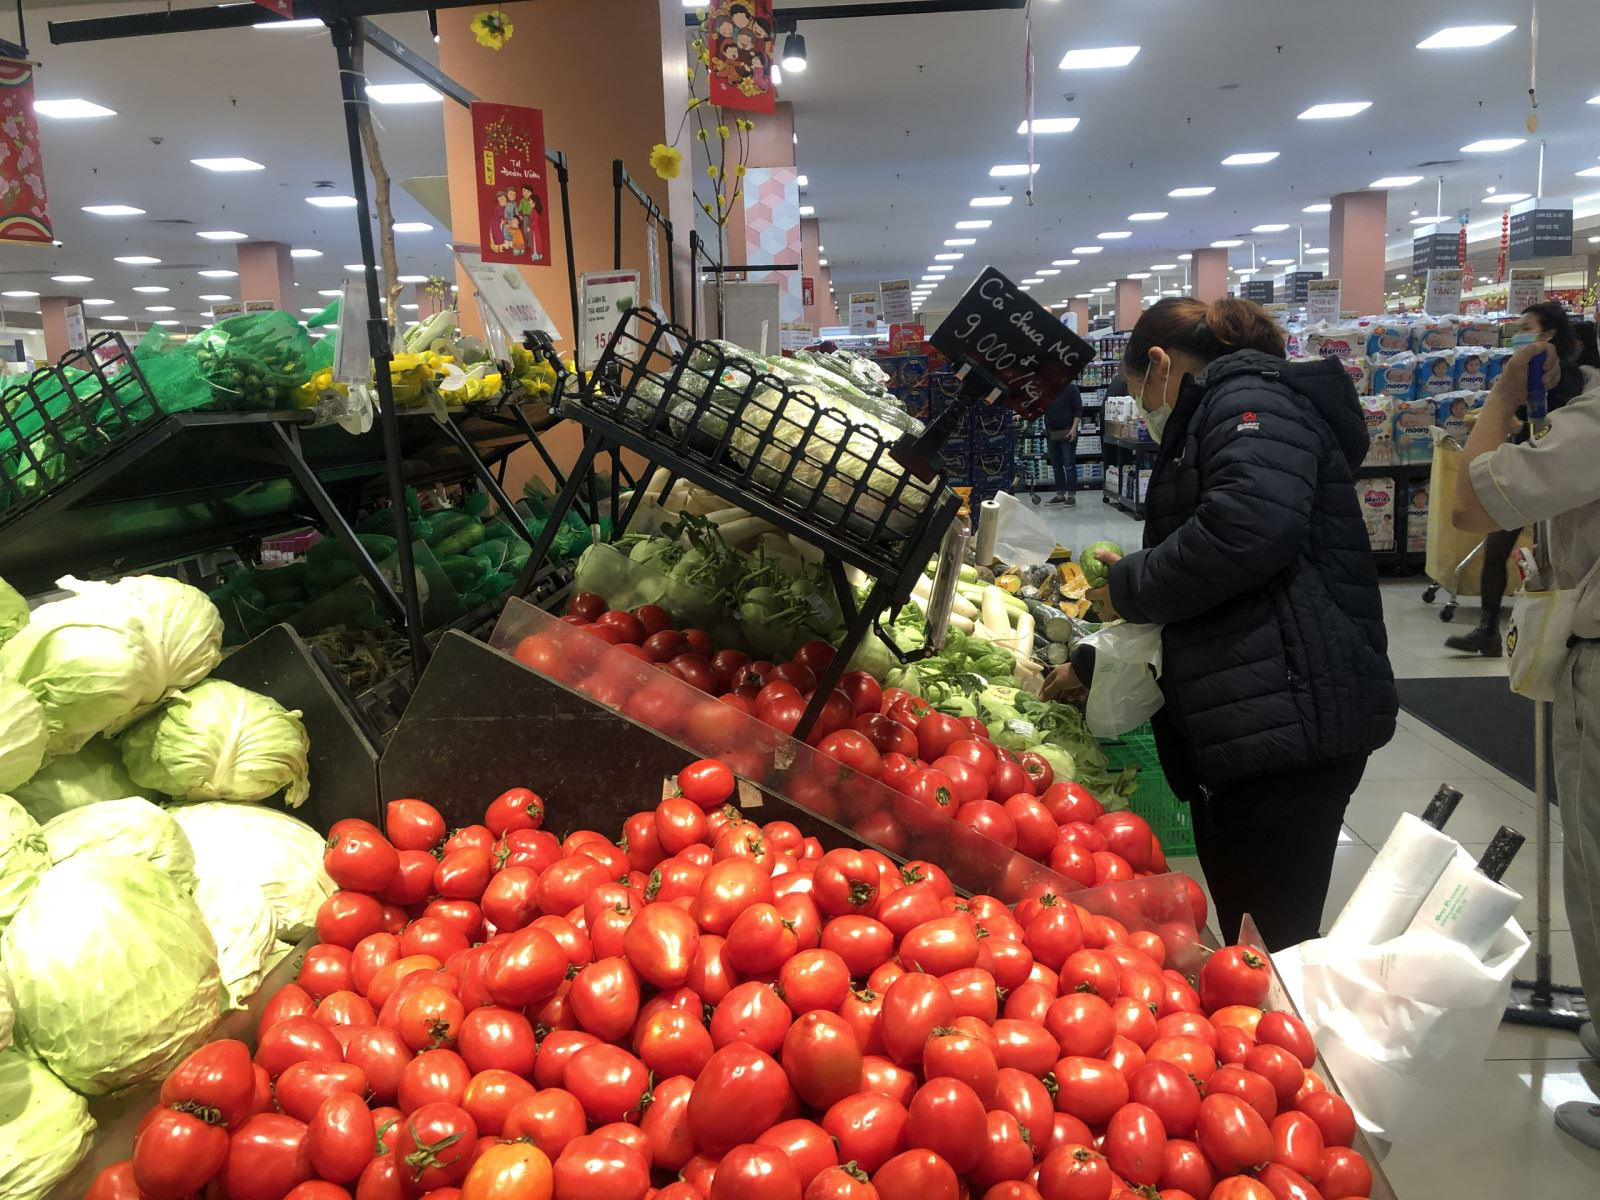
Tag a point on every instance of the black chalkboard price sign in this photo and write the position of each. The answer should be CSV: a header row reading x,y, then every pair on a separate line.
x,y
1006,349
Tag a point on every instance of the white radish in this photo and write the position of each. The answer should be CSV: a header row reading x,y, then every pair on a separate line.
x,y
994,615
1023,638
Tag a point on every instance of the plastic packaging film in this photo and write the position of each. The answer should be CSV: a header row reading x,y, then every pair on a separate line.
x,y
1392,891
988,527
1466,906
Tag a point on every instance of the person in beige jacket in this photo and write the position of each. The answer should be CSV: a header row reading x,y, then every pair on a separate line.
x,y
1553,481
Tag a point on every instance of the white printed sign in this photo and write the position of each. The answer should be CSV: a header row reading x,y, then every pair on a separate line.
x,y
507,294
77,331
1443,297
894,300
604,296
795,335
1527,288
1322,299
863,312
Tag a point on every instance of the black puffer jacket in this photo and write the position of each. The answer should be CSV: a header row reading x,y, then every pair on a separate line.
x,y
1257,562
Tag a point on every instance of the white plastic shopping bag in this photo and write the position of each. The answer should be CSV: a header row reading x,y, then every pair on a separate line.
x,y
1124,692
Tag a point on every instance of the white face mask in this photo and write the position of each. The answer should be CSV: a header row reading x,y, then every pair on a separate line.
x,y
1155,419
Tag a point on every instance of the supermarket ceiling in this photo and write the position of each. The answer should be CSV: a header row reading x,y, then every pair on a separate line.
x,y
900,120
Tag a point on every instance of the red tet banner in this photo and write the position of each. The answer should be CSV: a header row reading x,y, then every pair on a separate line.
x,y
513,194
739,35
24,216
284,8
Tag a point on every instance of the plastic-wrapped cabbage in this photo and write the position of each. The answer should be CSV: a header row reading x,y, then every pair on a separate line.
x,y
71,781
245,930
22,734
88,664
45,1127
180,623
114,970
23,857
129,826
219,741
285,858
8,1008
13,611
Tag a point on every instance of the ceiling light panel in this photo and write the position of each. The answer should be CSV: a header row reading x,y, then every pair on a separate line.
x,y
1064,262
1164,266
808,210
72,279
228,164
1268,228
1183,193
73,109
328,201
1098,58
1331,112
1050,125
990,201
411,227
218,273
1492,145
1464,37
160,308
98,302
403,93
952,256
1087,249
222,235
1395,181
1147,216
1114,235
974,224
1226,243
137,260
957,242
19,294
113,210
152,289
1318,208
304,252
218,297
1011,170
1250,158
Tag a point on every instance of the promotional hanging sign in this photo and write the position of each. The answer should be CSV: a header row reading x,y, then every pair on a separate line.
x,y
863,312
1541,228
24,214
795,335
741,46
284,8
513,194
506,294
808,291
1322,300
1527,288
603,297
77,331
894,300
1443,295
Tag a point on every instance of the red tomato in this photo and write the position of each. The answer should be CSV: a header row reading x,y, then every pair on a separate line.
x,y
1232,1134
587,605
751,1012
492,1096
730,887
217,1075
435,1146
1331,1112
738,1096
1297,1143
665,1124
1185,1168
1040,773
626,626
115,1182
752,1172
672,1042
940,946
810,1150
1135,1144
176,1153
1055,936
855,750
1241,1187
725,664
936,733
967,783
525,967
1074,1172
605,998
1345,1173
916,1175
946,1117
1234,975
1279,1068
864,692
1069,802
1288,1031
432,1077
609,1082
382,1055
1089,1089
550,1119
962,1056
266,1158
1127,834
341,1138
296,1039
822,1059
846,881
1170,1093
359,857
869,1129
303,1086
914,1005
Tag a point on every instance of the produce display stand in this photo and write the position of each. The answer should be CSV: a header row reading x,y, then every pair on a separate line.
x,y
622,182
817,487
347,28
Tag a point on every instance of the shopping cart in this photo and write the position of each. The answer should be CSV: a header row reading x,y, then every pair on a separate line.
x,y
1454,559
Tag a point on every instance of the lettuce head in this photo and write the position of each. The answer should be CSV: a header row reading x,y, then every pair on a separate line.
x,y
245,929
181,626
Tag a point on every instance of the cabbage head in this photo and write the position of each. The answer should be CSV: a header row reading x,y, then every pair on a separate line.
x,y
8,1008
23,857
284,859
71,781
181,626
46,1127
89,665
130,826
13,611
245,929
114,970
219,741
22,734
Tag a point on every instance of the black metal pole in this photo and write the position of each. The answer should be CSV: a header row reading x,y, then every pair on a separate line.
x,y
564,178
672,277
345,33
694,283
616,214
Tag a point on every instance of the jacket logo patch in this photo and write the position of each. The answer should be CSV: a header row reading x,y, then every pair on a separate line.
x,y
1248,423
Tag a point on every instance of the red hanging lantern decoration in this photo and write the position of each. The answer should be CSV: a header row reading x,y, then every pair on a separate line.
x,y
1461,247
1505,240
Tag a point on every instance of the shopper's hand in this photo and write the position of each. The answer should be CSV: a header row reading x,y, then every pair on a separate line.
x,y
1511,388
1108,556
1063,684
1100,597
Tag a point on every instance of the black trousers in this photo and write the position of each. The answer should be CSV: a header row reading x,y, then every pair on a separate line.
x,y
1265,842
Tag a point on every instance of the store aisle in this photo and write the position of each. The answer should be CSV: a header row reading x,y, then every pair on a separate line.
x,y
1527,1072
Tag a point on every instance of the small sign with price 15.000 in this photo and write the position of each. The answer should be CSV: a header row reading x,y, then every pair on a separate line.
x,y
1019,342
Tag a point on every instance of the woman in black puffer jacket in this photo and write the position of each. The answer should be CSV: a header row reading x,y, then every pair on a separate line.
x,y
1256,563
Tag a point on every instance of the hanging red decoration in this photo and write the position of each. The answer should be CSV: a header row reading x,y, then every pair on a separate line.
x,y
1505,240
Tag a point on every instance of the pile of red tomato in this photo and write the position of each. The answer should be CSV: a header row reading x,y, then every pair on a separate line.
x,y
710,1009
947,764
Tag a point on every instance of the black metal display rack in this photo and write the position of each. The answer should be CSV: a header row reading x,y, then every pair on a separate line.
x,y
1400,558
622,182
725,424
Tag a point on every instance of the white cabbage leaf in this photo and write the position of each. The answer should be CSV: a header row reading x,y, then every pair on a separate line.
x,y
245,929
71,781
23,857
283,857
129,826
45,1127
22,734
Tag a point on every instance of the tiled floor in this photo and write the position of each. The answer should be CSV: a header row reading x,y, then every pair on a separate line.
x,y
1501,1140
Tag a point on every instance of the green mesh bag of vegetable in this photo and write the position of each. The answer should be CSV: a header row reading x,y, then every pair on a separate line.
x,y
321,356
172,370
254,361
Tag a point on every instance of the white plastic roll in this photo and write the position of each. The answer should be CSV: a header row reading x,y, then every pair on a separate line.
x,y
1466,906
1391,892
988,528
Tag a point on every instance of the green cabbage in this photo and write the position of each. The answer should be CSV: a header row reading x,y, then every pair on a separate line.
x,y
89,665
114,969
130,826
45,1127
23,857
181,626
71,781
22,734
8,1008
219,741
245,930
13,611
284,859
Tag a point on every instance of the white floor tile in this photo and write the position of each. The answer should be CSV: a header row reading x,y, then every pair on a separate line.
x,y
1377,805
1350,863
1407,758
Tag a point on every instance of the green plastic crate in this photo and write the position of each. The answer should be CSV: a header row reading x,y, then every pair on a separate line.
x,y
1152,799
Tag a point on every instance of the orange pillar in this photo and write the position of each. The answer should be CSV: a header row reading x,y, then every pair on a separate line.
x,y
266,272
1355,248
1129,294
53,311
1080,310
1208,273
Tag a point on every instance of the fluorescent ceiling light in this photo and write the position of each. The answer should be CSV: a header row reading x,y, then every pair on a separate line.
x,y
137,260
1099,290
1268,228
409,307
217,297
1184,192
306,24
1050,125
218,273
1112,235
808,210
1492,145
1395,181
1226,243
166,322
1033,279
1433,220
1318,208
1326,112
97,302
160,308
941,267
1316,251
412,278
1009,170
228,164
1185,257
73,109
329,292
952,256
1138,275
1048,271
1280,262
974,224
1250,158
1087,249
403,93
111,317
360,267
959,242
313,310
1098,57
927,278
411,227
1506,198
1147,216
19,294
152,289
1593,100
1464,37
1064,262
1023,287
304,252
803,181
1082,295
990,201
113,210
1589,172
1163,266
332,201
72,279
222,235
